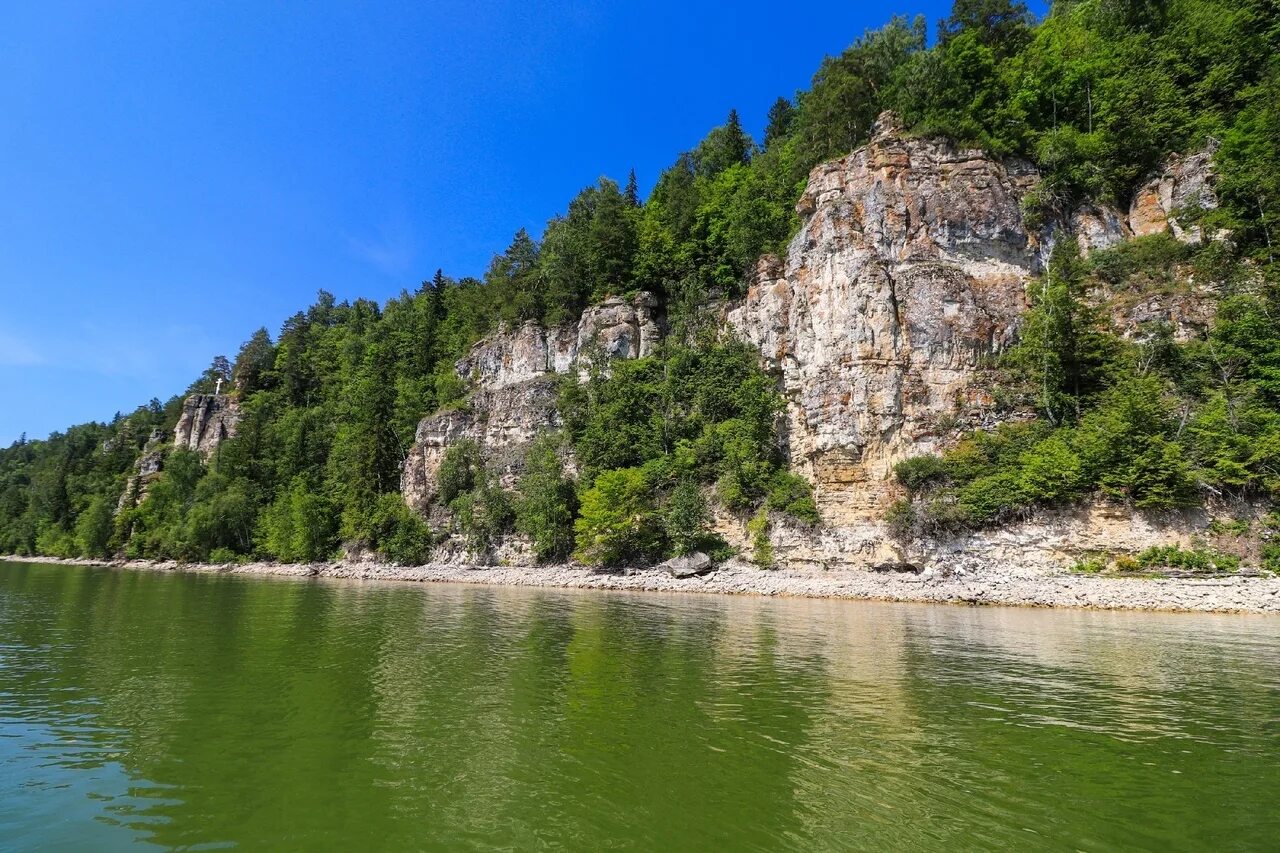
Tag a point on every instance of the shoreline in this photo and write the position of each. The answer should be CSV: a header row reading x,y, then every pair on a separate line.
x,y
1257,595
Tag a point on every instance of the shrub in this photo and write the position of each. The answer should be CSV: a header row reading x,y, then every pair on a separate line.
x,y
459,470
546,501
791,494
919,472
1155,254
224,556
761,546
1191,560
484,513
1090,565
398,533
902,519
685,518
617,521
1051,471
992,498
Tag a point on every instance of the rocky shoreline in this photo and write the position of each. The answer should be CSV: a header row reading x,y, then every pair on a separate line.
x,y
1208,595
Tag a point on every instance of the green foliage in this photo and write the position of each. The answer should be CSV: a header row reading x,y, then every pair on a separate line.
x,y
94,528
484,513
1090,565
685,517
1156,253
398,534
460,470
1126,447
546,501
901,518
761,545
618,522
1097,95
791,494
1196,560
919,471
1064,357
300,526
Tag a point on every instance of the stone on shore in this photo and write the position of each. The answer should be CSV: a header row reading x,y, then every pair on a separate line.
x,y
688,566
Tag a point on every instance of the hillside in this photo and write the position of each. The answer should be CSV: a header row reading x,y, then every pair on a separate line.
x,y
1006,298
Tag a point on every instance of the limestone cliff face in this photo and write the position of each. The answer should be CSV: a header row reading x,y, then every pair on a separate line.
x,y
206,421
511,375
906,278
1182,184
145,471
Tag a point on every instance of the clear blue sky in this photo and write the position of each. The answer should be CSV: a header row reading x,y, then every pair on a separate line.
x,y
174,175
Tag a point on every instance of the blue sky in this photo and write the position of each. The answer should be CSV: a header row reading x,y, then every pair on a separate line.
x,y
175,175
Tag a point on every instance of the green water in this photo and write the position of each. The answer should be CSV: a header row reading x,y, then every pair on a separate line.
x,y
202,711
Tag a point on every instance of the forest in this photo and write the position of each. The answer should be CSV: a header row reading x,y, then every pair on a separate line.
x,y
1096,95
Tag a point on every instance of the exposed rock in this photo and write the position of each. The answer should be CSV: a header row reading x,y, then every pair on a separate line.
x,y
1097,227
1188,313
620,329
687,566
512,374
1182,182
616,327
906,280
145,471
501,420
206,421
906,277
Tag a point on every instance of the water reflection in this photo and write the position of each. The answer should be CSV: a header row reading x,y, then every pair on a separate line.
x,y
207,710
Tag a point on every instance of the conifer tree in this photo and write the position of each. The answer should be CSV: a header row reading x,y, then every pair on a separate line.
x,y
632,192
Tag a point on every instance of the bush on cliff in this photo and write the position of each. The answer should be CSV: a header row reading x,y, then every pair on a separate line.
x,y
618,521
398,533
546,500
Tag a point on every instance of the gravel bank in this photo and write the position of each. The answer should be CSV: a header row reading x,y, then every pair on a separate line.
x,y
1227,595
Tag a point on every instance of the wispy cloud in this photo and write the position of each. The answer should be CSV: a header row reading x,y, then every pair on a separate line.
x,y
390,250
108,350
15,352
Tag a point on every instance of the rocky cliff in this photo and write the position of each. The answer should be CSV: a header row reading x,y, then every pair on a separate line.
x,y
206,421
907,278
513,398
145,471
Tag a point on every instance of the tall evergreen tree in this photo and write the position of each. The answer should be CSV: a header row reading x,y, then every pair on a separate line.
x,y
632,192
781,115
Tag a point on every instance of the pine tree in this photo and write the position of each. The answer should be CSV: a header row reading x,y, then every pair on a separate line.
x,y
632,192
781,115
254,362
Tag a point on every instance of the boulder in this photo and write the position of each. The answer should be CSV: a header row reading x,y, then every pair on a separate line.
x,y
688,566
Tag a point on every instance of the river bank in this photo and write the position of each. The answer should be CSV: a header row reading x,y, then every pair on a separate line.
x,y
1208,595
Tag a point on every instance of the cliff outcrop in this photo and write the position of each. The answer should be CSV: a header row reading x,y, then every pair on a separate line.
x,y
512,380
1168,200
907,279
145,471
206,421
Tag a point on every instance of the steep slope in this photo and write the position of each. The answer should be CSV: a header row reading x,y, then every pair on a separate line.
x,y
906,280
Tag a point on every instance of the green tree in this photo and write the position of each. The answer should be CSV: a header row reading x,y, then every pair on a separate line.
x,y
94,528
686,517
254,362
781,116
546,501
617,521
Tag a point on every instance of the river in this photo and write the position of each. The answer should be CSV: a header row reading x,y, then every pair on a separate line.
x,y
206,711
